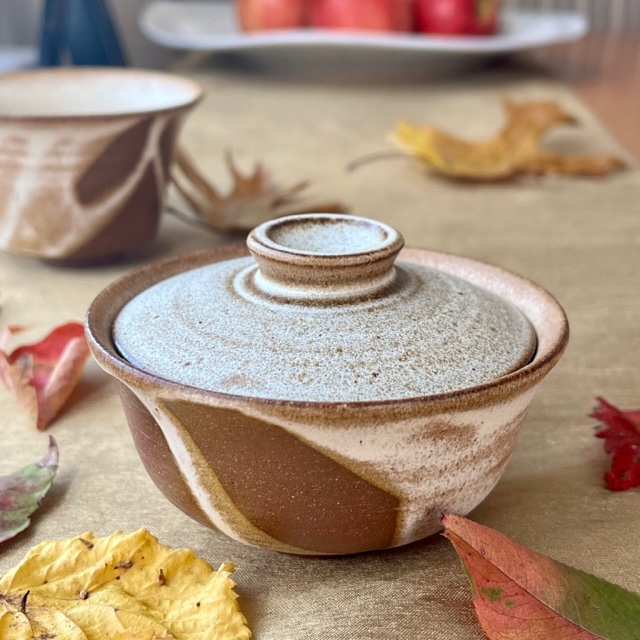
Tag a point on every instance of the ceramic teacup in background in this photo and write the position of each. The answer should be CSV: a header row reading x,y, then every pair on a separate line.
x,y
85,155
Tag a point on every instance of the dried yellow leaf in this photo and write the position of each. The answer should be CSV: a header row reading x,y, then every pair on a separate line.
x,y
513,151
138,635
90,588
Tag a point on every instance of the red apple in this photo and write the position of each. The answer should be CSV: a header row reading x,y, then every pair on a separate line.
x,y
361,15
265,15
404,15
457,17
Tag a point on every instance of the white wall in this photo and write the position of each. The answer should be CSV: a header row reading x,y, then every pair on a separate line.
x,y
18,21
142,52
619,15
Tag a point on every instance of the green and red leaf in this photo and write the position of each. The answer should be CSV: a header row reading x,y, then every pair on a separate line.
x,y
519,594
43,375
22,492
621,433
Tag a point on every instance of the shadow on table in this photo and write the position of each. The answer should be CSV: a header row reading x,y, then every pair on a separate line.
x,y
322,66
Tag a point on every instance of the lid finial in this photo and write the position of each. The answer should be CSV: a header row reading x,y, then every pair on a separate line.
x,y
323,255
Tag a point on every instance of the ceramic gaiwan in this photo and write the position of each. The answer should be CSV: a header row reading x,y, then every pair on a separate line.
x,y
318,396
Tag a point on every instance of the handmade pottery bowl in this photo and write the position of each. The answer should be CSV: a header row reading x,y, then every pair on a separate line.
x,y
84,159
323,400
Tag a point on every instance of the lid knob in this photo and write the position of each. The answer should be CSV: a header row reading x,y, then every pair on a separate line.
x,y
324,255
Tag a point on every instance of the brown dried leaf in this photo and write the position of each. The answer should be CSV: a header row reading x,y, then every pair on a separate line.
x,y
511,152
252,200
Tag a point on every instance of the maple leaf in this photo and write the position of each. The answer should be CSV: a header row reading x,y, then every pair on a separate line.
x,y
92,588
522,595
43,375
253,198
621,433
22,492
511,152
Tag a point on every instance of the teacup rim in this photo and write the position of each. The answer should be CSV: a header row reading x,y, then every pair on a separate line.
x,y
194,88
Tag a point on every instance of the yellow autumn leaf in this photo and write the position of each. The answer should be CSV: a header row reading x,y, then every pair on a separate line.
x,y
138,635
515,150
125,586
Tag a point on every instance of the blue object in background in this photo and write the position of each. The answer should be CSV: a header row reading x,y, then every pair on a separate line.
x,y
79,32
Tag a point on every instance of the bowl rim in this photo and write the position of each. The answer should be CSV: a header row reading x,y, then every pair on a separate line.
x,y
110,360
194,88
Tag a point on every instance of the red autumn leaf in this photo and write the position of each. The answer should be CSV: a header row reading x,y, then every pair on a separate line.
x,y
43,375
621,433
522,595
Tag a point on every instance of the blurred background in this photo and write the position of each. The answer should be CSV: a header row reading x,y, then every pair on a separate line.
x,y
20,19
603,68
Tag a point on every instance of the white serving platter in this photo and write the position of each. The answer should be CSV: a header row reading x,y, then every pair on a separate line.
x,y
212,26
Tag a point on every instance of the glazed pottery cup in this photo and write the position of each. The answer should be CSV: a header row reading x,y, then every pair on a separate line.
x,y
84,159
313,477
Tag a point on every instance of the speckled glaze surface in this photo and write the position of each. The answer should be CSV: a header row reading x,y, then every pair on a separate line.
x,y
328,478
84,159
322,303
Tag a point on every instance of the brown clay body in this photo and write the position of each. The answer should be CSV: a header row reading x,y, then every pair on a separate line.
x,y
327,477
84,159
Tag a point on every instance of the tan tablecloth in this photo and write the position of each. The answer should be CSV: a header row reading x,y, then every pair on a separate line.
x,y
580,239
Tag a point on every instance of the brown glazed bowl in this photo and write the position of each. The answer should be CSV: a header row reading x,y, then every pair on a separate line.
x,y
84,159
314,477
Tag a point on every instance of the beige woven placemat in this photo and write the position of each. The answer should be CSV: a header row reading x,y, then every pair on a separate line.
x,y
580,239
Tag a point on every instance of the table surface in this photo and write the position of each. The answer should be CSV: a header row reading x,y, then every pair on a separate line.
x,y
604,70
578,238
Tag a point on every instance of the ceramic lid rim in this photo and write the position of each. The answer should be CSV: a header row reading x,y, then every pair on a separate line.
x,y
545,313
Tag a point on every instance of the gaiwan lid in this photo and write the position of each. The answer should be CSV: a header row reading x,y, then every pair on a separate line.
x,y
322,312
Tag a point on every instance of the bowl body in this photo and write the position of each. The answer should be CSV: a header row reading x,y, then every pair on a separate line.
x,y
315,478
84,159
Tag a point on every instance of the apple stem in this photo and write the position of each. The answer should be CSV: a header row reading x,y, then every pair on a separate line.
x,y
372,157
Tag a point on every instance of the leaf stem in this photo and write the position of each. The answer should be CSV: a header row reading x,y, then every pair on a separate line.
x,y
372,157
189,219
